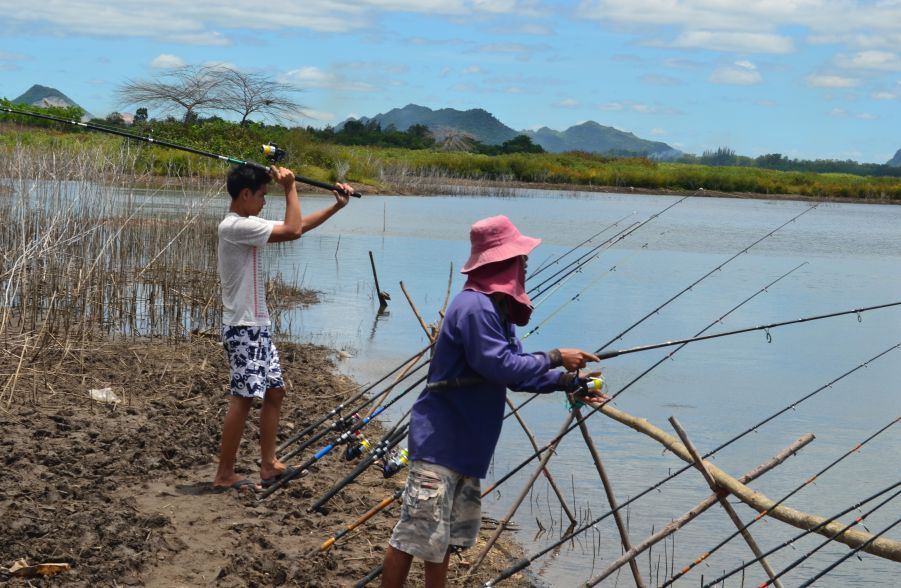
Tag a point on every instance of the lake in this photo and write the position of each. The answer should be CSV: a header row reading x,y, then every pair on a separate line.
x,y
715,388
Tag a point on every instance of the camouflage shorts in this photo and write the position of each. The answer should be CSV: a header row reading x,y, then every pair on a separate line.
x,y
440,508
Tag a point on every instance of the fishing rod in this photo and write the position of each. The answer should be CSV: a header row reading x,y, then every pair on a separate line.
x,y
669,355
763,513
380,451
543,267
683,291
527,561
361,520
272,152
616,238
343,438
825,522
344,423
850,554
857,311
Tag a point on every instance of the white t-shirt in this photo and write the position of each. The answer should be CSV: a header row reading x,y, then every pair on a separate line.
x,y
241,239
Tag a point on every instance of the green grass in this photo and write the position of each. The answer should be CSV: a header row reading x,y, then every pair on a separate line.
x,y
367,165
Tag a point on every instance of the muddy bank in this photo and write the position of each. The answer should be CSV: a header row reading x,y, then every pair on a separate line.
x,y
120,491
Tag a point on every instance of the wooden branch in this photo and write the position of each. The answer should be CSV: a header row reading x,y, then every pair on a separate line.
x,y
611,499
721,497
882,547
416,312
692,514
547,472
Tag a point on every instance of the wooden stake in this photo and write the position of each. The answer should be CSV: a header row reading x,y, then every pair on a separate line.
x,y
608,490
692,514
721,498
384,297
547,472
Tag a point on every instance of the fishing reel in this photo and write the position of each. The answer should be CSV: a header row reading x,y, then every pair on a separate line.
x,y
395,463
273,153
358,448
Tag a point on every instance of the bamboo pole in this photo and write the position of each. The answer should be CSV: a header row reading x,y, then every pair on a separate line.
x,y
721,498
882,547
608,490
702,506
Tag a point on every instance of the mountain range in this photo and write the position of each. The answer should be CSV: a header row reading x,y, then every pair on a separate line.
x,y
478,123
485,127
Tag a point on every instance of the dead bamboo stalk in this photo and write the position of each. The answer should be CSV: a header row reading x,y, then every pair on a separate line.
x,y
882,546
502,524
383,296
692,514
547,472
611,498
422,322
721,498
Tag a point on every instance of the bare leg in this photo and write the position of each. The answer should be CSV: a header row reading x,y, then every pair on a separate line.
x,y
395,568
232,430
269,417
436,573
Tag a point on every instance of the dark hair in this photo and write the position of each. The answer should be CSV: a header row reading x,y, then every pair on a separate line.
x,y
245,176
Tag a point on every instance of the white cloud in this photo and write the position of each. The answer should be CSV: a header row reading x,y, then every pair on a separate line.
x,y
884,95
472,69
658,132
732,25
831,81
838,112
740,73
876,60
734,41
660,80
567,103
167,61
632,106
313,77
866,116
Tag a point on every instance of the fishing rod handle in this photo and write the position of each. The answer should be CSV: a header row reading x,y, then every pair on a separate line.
x,y
516,567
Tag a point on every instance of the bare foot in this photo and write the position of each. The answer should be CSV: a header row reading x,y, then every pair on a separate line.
x,y
272,470
235,482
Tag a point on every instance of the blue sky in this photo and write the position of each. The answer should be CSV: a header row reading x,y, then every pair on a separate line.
x,y
806,78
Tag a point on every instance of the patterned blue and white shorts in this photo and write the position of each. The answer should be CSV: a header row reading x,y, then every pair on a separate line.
x,y
253,360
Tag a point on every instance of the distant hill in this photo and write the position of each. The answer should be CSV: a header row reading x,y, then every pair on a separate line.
x,y
483,125
479,123
593,137
896,160
38,95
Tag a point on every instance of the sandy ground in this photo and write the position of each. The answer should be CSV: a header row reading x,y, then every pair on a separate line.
x,y
121,491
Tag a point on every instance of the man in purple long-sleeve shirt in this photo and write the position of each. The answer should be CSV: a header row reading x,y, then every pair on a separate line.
x,y
456,421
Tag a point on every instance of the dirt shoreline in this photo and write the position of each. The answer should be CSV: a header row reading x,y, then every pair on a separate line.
x,y
120,491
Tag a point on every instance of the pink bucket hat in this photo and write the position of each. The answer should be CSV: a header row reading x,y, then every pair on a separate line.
x,y
496,239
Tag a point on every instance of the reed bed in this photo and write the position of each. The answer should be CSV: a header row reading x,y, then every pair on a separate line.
x,y
92,262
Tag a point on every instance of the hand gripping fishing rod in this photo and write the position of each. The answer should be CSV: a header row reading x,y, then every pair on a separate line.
x,y
270,150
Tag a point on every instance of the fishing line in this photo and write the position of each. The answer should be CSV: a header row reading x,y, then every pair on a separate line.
x,y
525,562
831,519
763,513
543,267
850,554
148,139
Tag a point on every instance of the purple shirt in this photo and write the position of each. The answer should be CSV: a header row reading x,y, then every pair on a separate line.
x,y
458,427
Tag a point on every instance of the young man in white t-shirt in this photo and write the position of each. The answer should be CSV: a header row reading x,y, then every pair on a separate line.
x,y
252,357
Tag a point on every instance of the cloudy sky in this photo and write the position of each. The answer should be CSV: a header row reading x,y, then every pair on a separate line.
x,y
806,78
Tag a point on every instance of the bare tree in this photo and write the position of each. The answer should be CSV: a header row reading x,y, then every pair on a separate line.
x,y
191,89
254,93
